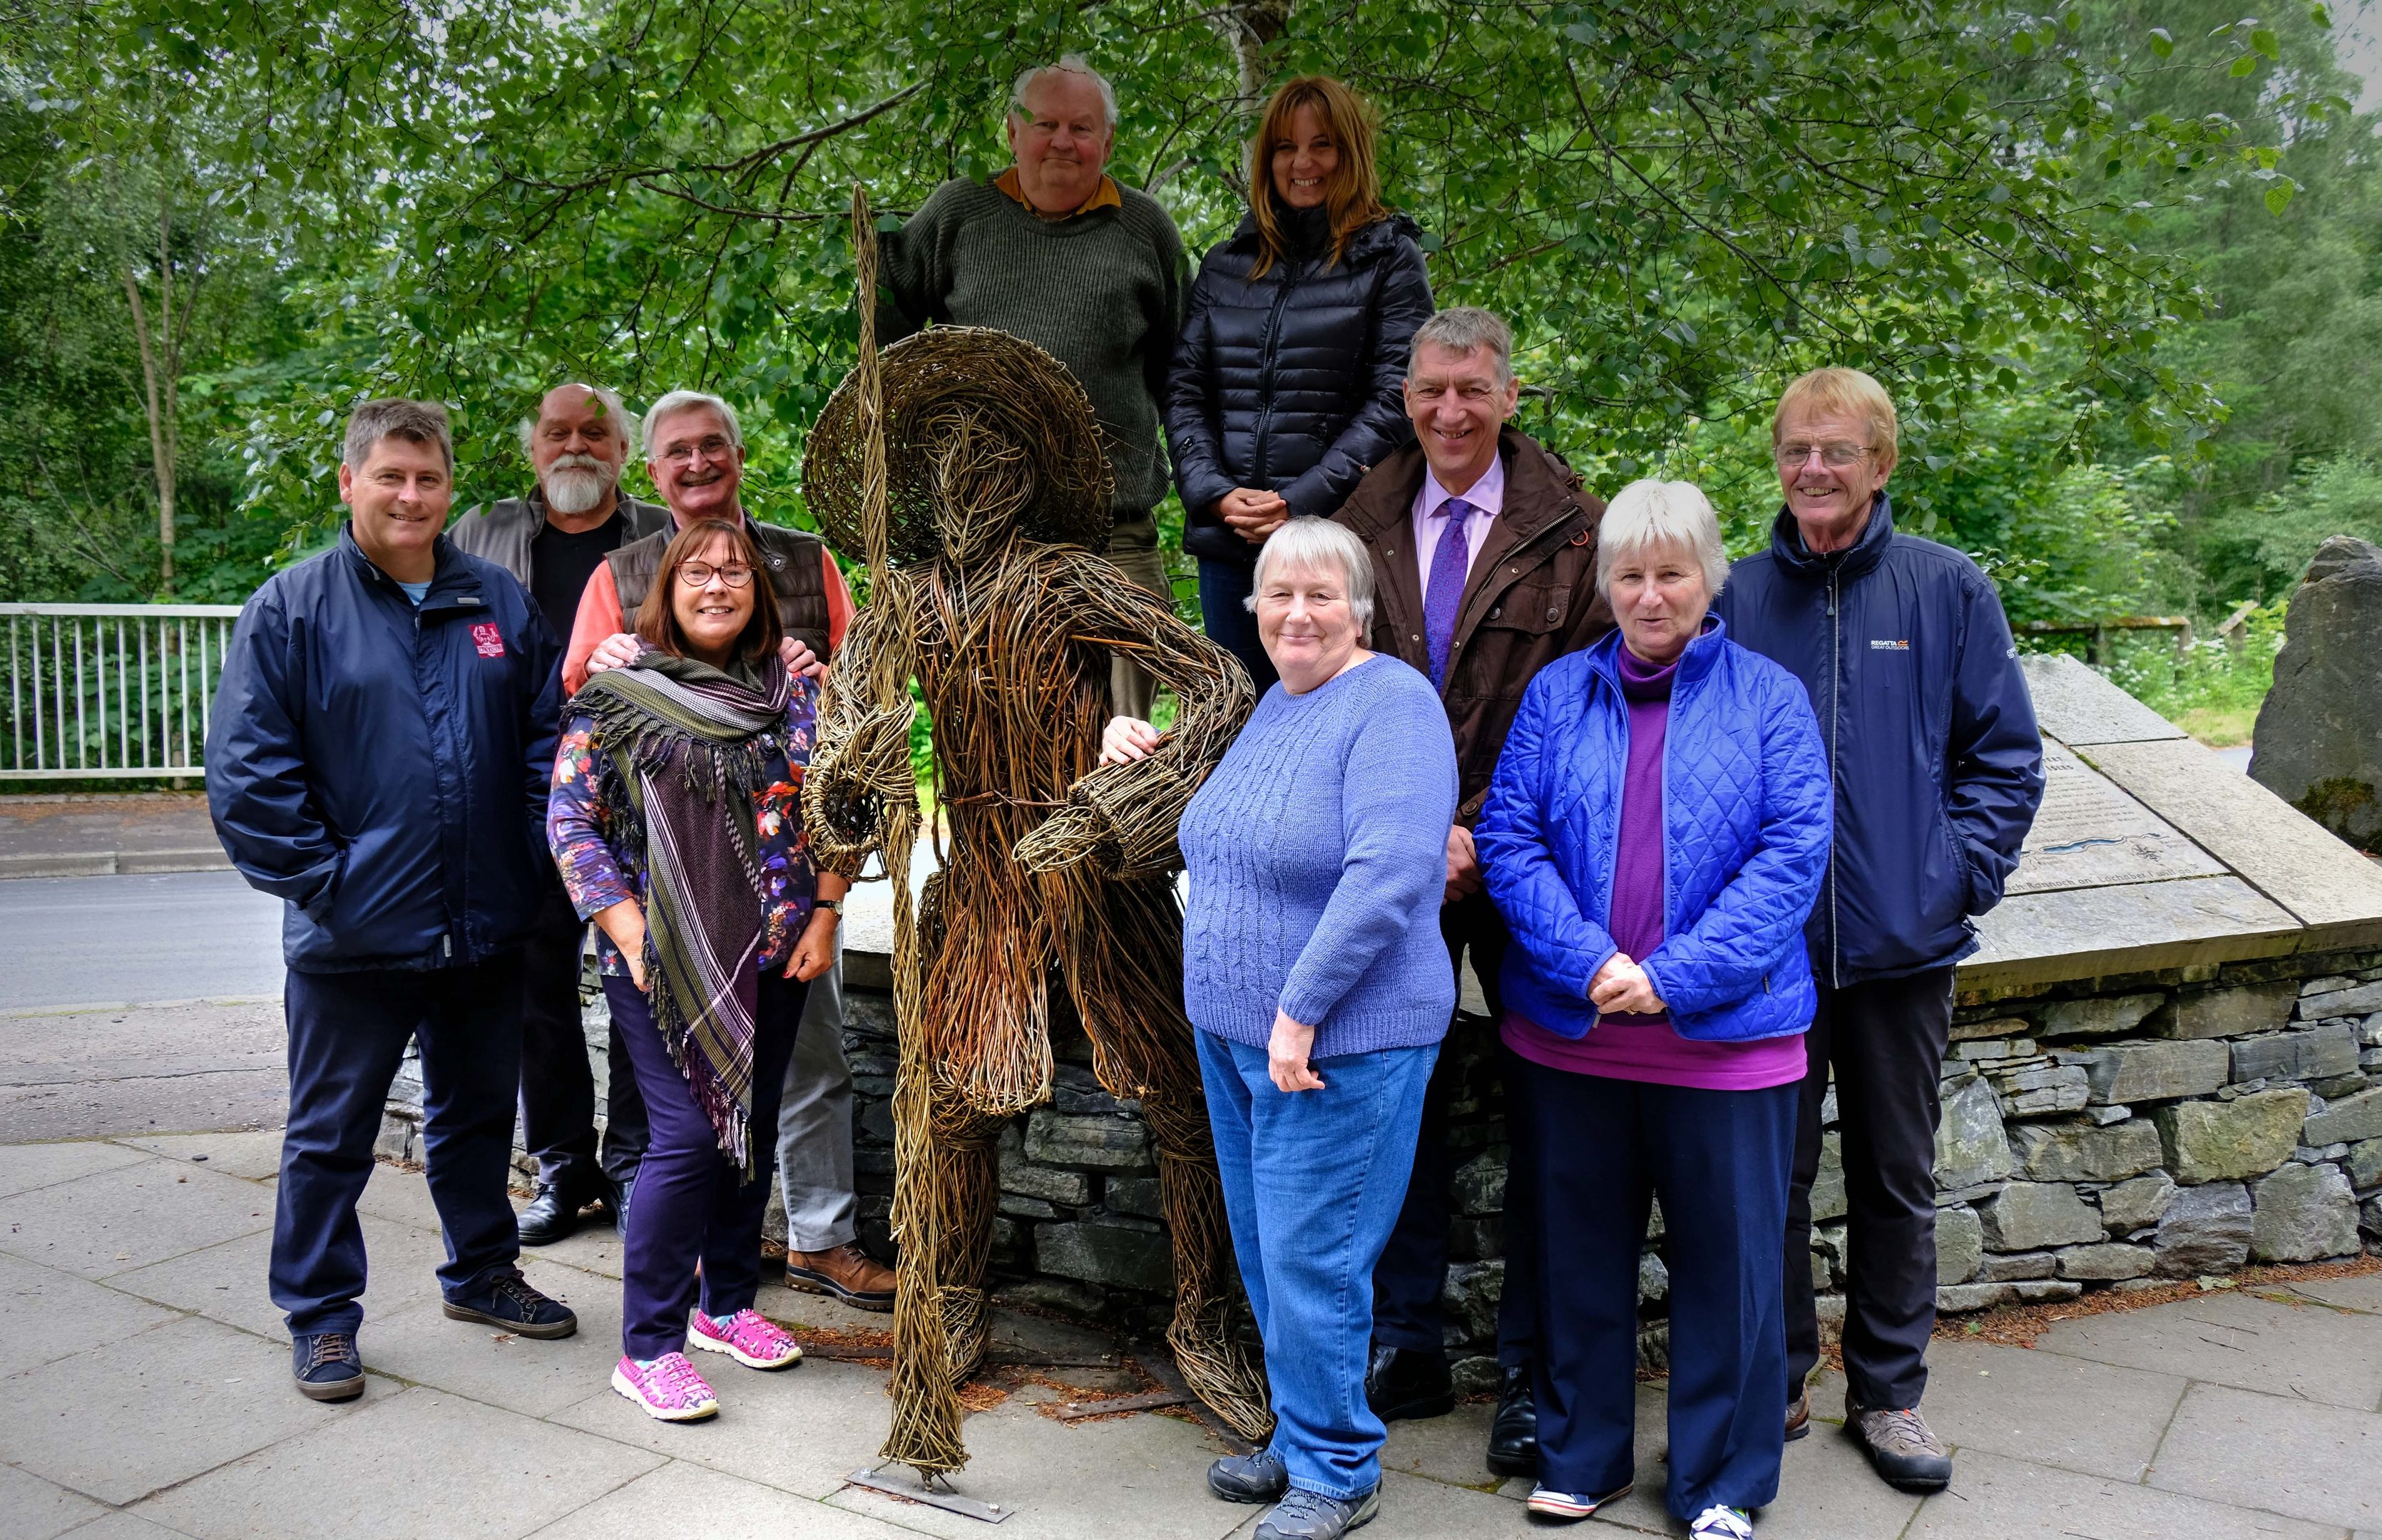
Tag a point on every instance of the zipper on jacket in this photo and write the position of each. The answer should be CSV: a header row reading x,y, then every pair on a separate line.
x,y
1265,380
1835,700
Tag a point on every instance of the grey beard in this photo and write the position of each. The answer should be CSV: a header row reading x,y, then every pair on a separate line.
x,y
570,490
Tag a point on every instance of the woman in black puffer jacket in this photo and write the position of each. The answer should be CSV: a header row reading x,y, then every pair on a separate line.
x,y
1287,386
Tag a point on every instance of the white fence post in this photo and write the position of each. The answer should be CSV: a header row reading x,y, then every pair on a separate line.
x,y
79,708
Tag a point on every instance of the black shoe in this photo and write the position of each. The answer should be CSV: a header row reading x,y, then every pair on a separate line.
x,y
1514,1431
1249,1478
551,1215
1409,1382
505,1299
1305,1515
327,1365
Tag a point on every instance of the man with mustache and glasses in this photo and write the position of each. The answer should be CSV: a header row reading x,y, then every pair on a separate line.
x,y
552,540
1055,251
694,452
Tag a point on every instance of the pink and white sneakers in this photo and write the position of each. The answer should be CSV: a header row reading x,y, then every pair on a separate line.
x,y
748,1336
669,1388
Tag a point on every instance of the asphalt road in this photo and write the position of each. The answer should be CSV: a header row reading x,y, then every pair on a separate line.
x,y
176,935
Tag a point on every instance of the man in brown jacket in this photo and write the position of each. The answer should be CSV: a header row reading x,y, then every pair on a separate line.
x,y
1484,568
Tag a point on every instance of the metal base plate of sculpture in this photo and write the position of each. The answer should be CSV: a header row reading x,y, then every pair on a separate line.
x,y
968,464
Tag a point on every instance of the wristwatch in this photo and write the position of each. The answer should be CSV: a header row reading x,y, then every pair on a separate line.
x,y
832,905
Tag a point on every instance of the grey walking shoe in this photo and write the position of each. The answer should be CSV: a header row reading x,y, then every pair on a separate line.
x,y
1908,1455
1305,1515
1249,1478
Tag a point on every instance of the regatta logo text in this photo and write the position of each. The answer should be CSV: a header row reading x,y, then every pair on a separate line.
x,y
1878,646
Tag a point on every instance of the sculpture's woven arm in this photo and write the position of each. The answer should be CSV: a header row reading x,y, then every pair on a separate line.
x,y
1122,817
861,761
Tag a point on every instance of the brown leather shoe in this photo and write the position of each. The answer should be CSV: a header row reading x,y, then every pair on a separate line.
x,y
844,1272
1798,1416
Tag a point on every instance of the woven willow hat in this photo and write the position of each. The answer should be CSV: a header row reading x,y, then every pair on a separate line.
x,y
996,394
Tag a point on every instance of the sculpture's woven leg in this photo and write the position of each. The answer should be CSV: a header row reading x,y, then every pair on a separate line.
x,y
967,1189
1124,969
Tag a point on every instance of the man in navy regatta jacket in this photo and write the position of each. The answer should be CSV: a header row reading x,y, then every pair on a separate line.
x,y
378,758
1937,769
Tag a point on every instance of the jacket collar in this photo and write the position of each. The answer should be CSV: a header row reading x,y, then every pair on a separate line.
x,y
1604,656
1854,561
1540,490
453,583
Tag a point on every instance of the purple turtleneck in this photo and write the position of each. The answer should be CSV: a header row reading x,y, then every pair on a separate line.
x,y
1646,1047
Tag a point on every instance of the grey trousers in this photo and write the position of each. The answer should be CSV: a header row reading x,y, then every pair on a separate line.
x,y
1133,548
815,1124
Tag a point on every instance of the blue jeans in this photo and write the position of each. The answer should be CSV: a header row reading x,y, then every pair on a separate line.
x,y
348,1033
1313,1180
1222,586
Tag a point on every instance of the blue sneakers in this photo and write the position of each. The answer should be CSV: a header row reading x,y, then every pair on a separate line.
x,y
505,1299
327,1365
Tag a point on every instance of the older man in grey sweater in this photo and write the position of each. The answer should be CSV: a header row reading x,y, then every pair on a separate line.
x,y
1053,251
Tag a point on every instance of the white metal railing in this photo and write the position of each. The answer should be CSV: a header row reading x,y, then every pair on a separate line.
x,y
110,689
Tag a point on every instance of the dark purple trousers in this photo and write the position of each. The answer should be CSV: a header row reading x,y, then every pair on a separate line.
x,y
691,1205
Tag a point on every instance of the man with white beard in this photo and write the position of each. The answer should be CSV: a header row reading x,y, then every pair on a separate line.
x,y
552,540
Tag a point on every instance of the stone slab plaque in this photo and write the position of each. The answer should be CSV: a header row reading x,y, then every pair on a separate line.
x,y
2075,704
2331,888
2088,833
2088,932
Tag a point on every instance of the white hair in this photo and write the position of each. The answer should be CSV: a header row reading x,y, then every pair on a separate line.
x,y
613,410
1068,64
1460,329
1648,514
687,400
1318,544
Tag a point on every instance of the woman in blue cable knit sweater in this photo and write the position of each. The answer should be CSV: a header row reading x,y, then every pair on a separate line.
x,y
1314,970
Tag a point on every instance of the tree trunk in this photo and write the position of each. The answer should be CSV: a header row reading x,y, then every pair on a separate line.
x,y
1249,26
161,372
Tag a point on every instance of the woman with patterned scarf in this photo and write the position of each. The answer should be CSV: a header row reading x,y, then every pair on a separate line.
x,y
676,818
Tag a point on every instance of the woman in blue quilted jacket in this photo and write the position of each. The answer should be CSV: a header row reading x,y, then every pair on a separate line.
x,y
1656,836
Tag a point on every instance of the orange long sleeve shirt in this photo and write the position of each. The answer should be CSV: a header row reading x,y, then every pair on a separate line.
x,y
599,617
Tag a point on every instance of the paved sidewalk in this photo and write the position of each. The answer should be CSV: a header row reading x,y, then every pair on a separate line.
x,y
145,1392
103,835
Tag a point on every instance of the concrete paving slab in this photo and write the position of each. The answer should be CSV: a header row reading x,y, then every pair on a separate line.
x,y
32,1509
727,1508
251,1152
24,1167
416,1463
801,1430
1994,1498
499,1367
121,1421
1417,1508
2074,1413
2349,1293
46,1314
2322,1464
197,1063
1143,1475
118,1220
595,1249
226,1282
1453,1448
2305,1351
125,1525
400,1197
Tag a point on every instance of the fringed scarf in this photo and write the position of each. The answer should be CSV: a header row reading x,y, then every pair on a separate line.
x,y
682,749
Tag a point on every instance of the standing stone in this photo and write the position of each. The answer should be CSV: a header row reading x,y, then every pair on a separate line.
x,y
2151,1071
1970,1148
2099,1015
2080,1152
2136,1204
2348,1121
2314,1053
2226,1140
2303,1213
2205,1230
1960,1245
2318,742
2028,1215
2226,1012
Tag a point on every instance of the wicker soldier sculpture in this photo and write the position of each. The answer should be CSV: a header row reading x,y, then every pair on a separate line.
x,y
987,590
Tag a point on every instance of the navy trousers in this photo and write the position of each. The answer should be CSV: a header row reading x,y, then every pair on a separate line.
x,y
691,1205
1719,1160
557,1088
348,1033
1411,1279
1222,586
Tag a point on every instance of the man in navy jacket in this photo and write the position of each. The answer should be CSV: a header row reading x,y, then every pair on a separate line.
x,y
378,758
1937,769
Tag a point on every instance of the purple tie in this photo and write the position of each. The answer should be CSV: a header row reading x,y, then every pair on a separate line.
x,y
1450,563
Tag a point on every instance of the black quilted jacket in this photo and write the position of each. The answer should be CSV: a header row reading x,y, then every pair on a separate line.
x,y
1292,381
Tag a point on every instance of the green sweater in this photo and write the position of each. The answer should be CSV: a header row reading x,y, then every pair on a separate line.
x,y
1101,292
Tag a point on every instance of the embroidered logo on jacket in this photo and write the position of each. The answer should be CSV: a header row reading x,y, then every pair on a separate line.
x,y
1880,645
489,639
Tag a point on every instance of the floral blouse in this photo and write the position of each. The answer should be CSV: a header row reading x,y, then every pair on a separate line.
x,y
599,876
